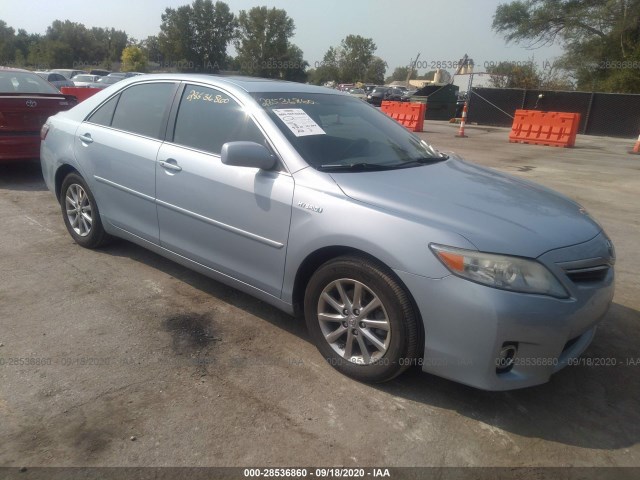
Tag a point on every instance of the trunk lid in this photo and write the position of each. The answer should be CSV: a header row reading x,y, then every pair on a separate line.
x,y
26,113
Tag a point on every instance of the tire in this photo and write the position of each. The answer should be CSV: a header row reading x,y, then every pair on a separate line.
x,y
80,213
388,332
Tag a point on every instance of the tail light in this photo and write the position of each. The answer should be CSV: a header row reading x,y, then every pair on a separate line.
x,y
44,130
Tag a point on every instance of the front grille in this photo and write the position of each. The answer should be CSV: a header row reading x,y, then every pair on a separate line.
x,y
588,275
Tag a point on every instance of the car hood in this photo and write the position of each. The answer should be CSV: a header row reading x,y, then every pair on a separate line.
x,y
495,211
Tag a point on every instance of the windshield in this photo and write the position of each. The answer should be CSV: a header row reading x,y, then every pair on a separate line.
x,y
24,82
84,78
339,132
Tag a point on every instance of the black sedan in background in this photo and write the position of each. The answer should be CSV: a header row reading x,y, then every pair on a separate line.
x,y
379,94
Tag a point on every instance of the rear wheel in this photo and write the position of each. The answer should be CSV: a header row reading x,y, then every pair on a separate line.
x,y
361,319
80,213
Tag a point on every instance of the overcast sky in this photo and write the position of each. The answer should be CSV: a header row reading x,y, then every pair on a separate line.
x,y
441,30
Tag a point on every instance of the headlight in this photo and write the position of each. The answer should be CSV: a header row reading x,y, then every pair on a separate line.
x,y
500,271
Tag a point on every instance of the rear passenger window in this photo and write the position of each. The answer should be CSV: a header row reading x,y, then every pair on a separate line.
x,y
142,109
104,114
208,118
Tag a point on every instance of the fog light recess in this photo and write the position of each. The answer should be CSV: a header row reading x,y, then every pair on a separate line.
x,y
506,358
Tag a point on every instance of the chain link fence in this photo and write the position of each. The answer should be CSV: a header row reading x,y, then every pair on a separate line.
x,y
607,114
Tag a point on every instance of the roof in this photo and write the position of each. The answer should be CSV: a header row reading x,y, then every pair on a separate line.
x,y
248,84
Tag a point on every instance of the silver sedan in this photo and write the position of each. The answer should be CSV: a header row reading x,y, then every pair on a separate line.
x,y
394,253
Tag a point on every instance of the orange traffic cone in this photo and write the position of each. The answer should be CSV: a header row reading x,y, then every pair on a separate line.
x,y
460,133
636,148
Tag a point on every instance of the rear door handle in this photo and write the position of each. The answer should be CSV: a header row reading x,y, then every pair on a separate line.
x,y
170,164
86,138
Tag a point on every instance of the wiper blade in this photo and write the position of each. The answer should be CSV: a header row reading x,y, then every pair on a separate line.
x,y
361,167
354,167
423,161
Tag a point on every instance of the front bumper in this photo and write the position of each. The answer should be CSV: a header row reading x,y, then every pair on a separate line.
x,y
467,324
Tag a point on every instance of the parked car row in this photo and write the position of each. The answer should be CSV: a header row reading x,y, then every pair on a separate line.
x,y
56,79
376,94
79,78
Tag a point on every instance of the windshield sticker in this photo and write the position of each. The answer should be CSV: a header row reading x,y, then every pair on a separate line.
x,y
298,122
206,97
270,102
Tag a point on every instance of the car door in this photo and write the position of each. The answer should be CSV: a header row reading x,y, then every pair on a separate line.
x,y
232,219
117,147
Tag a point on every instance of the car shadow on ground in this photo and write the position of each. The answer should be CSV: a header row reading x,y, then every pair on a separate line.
x,y
585,406
238,299
23,175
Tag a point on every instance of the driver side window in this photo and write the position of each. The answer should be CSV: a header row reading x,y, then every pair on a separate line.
x,y
208,118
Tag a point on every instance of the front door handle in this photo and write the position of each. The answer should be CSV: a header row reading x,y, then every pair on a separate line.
x,y
86,138
170,164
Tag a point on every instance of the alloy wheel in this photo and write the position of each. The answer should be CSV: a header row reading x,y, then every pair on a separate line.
x,y
79,211
353,321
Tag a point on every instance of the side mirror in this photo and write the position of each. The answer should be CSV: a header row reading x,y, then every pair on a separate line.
x,y
247,154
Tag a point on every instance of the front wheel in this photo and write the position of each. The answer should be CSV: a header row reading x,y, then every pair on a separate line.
x,y
361,319
80,213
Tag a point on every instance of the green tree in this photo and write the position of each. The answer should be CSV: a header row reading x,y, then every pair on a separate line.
x,y
176,34
69,44
7,37
601,39
264,47
14,46
375,71
351,62
117,40
214,27
151,47
514,75
197,35
328,70
356,53
65,45
133,59
400,74
427,76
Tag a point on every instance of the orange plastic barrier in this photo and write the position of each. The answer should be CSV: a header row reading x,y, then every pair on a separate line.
x,y
79,92
557,129
410,115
